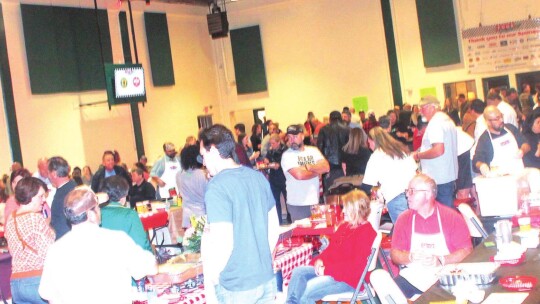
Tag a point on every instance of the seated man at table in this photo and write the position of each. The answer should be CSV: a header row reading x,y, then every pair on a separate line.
x,y
428,234
141,190
116,216
92,264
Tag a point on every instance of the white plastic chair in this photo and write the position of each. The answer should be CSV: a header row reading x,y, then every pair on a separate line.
x,y
375,215
368,293
476,229
386,288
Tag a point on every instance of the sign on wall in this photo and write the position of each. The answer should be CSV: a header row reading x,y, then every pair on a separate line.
x,y
502,46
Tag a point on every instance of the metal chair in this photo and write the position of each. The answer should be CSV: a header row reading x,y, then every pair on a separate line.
x,y
368,293
476,229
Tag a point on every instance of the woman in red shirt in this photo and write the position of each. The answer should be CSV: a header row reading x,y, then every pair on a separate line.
x,y
339,267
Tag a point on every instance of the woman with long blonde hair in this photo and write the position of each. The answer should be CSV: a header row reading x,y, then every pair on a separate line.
x,y
339,267
391,166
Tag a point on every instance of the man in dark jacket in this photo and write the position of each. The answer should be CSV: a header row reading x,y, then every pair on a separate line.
x,y
331,140
108,169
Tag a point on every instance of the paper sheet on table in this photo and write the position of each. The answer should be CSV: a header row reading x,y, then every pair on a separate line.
x,y
420,277
505,298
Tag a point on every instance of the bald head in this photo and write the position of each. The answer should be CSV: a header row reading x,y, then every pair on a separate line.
x,y
494,119
43,167
421,193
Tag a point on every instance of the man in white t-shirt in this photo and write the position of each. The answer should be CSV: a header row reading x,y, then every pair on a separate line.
x,y
302,166
438,152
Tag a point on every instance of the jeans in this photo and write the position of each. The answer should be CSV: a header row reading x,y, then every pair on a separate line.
x,y
264,293
445,194
276,192
299,212
396,206
306,287
26,291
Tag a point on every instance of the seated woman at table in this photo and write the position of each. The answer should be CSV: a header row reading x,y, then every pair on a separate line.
x,y
191,183
29,236
116,216
339,267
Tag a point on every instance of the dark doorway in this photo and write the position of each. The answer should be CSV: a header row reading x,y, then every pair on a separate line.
x,y
531,78
495,82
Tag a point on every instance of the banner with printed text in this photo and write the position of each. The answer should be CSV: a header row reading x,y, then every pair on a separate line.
x,y
502,46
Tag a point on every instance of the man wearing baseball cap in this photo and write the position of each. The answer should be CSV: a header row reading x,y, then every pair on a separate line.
x,y
164,171
438,153
302,166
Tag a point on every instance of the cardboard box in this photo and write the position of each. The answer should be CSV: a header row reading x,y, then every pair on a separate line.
x,y
497,196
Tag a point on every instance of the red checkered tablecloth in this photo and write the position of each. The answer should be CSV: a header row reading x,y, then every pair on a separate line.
x,y
298,256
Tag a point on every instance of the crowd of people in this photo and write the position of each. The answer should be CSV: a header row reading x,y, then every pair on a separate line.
x,y
417,159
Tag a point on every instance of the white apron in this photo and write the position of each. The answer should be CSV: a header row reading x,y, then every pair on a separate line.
x,y
169,177
505,149
433,244
423,276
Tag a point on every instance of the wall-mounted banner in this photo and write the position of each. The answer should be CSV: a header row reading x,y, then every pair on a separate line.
x,y
502,46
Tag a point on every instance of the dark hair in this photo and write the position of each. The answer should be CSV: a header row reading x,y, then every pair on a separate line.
x,y
59,165
108,152
76,176
528,123
478,106
188,157
241,127
219,136
116,187
27,188
335,116
141,166
19,172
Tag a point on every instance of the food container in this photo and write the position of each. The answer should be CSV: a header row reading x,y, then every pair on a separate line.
x,y
478,273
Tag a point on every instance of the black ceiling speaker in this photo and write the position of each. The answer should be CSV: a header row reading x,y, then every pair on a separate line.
x,y
218,26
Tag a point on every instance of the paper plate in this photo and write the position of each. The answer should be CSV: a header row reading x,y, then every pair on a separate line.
x,y
518,283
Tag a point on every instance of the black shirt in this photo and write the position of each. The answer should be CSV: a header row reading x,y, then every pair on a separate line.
x,y
141,193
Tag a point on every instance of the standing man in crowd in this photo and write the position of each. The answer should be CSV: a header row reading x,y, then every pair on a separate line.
x,y
43,174
43,171
141,190
330,141
90,255
302,166
59,175
242,228
509,114
108,169
526,99
501,146
164,171
438,152
428,234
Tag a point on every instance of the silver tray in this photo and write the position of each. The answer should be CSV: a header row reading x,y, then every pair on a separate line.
x,y
479,273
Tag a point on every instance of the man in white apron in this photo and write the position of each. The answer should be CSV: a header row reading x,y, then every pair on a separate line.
x,y
164,171
500,148
427,236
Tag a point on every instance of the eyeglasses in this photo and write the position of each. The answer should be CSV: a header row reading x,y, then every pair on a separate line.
x,y
411,191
